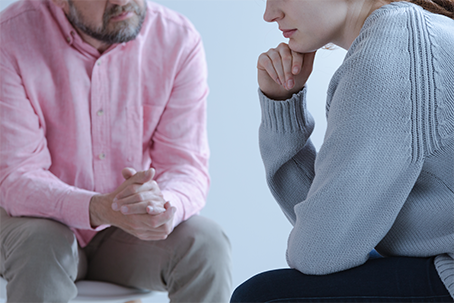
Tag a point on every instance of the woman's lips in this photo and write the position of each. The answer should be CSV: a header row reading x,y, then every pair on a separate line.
x,y
288,32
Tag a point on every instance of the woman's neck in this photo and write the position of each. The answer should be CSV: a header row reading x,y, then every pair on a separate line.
x,y
359,11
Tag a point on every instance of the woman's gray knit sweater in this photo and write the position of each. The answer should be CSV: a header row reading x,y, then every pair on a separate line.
x,y
384,176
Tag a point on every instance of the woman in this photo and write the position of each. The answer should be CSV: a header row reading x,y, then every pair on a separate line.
x,y
384,176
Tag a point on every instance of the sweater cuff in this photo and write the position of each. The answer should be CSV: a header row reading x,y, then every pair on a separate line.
x,y
445,268
286,116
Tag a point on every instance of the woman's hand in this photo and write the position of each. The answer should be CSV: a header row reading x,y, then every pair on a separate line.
x,y
283,72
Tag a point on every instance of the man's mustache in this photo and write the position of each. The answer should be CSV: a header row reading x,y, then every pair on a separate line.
x,y
117,10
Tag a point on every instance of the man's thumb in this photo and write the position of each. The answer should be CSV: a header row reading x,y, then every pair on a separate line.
x,y
128,172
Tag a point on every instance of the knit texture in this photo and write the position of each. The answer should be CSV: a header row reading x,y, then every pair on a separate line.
x,y
384,176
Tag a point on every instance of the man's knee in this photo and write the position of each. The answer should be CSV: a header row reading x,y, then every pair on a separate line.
x,y
37,245
39,255
206,240
202,272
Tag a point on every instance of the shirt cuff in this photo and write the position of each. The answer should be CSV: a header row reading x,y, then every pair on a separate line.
x,y
76,209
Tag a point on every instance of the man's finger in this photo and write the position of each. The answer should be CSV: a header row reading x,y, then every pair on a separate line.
x,y
128,172
155,210
142,208
165,217
138,198
142,177
137,188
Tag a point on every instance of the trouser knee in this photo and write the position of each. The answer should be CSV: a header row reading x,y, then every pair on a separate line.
x,y
38,254
207,244
203,272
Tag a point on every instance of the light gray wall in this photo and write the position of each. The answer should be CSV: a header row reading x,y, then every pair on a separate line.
x,y
234,34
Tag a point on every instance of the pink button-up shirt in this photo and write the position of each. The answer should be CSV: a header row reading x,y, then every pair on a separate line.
x,y
71,118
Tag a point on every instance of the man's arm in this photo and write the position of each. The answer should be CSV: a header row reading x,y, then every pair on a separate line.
x,y
27,187
179,148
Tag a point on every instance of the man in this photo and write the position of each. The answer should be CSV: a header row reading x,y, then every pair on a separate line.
x,y
104,152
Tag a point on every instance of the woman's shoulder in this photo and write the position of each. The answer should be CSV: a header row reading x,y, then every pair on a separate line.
x,y
405,25
399,34
404,53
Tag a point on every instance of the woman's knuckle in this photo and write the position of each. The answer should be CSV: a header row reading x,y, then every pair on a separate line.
x,y
287,57
274,56
282,45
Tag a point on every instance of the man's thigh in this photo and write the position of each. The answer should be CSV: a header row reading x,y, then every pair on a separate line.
x,y
22,237
40,255
118,257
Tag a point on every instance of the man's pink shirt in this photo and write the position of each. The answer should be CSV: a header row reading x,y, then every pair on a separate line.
x,y
71,118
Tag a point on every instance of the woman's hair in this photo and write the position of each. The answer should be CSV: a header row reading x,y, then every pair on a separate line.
x,y
442,7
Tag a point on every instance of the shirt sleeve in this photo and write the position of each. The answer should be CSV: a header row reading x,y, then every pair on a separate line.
x,y
180,151
27,187
371,157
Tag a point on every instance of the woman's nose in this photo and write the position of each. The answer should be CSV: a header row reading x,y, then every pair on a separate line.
x,y
272,11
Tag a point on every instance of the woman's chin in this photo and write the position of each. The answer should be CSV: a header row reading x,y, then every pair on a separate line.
x,y
301,47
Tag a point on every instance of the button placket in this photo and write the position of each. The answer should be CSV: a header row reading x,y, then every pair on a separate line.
x,y
100,129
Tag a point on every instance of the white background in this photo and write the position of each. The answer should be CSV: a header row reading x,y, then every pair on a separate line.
x,y
234,35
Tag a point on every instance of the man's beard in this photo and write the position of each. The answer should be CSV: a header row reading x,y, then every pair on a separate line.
x,y
119,32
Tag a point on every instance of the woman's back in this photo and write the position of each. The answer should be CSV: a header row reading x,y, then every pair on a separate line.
x,y
384,175
418,47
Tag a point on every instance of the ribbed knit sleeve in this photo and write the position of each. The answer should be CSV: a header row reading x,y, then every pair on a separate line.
x,y
445,267
286,149
384,121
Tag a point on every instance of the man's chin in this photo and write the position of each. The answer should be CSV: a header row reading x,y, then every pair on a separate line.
x,y
129,24
125,30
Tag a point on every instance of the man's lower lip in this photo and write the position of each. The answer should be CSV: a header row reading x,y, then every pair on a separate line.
x,y
122,16
288,34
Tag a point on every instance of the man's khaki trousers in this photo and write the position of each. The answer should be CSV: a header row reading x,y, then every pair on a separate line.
x,y
41,260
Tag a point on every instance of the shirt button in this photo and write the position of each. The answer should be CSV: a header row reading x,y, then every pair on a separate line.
x,y
100,112
68,39
99,62
102,156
